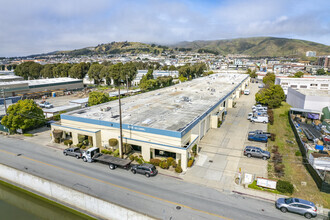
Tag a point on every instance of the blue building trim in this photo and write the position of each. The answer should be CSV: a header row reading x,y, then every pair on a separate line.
x,y
75,128
148,142
128,127
193,142
176,134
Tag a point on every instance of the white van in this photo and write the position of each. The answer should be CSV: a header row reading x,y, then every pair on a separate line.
x,y
246,92
261,119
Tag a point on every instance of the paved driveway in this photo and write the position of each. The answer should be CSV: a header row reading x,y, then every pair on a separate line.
x,y
221,153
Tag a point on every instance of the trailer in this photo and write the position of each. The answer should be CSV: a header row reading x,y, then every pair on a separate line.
x,y
93,155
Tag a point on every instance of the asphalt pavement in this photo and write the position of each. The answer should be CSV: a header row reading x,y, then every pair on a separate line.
x,y
160,196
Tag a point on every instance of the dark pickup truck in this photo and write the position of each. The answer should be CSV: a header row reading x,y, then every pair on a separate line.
x,y
258,137
74,152
268,134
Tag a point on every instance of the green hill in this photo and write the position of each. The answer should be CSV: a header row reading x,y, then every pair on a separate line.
x,y
257,46
116,48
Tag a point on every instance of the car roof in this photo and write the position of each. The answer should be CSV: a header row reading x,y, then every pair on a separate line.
x,y
252,147
297,200
147,165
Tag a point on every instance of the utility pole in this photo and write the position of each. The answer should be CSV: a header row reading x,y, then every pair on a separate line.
x,y
4,99
127,83
121,129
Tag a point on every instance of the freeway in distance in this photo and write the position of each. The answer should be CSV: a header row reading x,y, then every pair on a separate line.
x,y
160,196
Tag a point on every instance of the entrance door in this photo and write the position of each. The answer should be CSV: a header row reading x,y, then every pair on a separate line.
x,y
201,133
208,123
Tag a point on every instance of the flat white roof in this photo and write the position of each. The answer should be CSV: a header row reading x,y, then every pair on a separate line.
x,y
51,81
171,108
42,81
4,77
314,92
62,108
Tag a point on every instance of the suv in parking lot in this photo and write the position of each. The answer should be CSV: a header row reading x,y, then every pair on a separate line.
x,y
300,206
145,169
258,137
250,151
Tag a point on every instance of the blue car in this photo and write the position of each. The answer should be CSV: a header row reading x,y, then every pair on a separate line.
x,y
258,137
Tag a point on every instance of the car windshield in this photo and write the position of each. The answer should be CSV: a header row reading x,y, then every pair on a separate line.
x,y
288,201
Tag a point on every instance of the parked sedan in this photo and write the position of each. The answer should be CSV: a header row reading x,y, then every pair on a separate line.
x,y
74,152
45,105
299,206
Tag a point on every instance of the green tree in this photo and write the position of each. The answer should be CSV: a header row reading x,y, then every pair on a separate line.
x,y
271,96
298,74
269,79
252,74
79,70
320,72
165,67
96,98
34,70
23,69
182,78
149,74
62,70
48,71
172,68
129,72
23,115
117,73
94,72
164,81
148,84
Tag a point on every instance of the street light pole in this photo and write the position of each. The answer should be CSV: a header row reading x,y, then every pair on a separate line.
x,y
120,127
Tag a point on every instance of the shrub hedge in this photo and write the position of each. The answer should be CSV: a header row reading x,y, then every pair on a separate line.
x,y
284,187
155,162
68,142
113,142
178,169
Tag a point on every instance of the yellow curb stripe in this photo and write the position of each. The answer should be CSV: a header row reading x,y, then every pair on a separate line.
x,y
118,186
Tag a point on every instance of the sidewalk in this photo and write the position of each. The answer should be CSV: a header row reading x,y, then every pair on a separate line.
x,y
323,213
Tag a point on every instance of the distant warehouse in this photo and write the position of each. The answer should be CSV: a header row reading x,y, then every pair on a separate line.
x,y
161,123
30,87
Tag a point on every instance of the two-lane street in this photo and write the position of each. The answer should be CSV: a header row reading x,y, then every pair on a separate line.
x,y
160,197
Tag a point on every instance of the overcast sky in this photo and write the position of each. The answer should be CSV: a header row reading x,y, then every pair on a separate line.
x,y
39,26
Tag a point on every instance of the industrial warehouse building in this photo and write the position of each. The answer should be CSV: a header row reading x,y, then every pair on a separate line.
x,y
31,87
308,98
164,122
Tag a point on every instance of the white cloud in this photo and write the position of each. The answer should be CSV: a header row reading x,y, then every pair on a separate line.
x,y
35,26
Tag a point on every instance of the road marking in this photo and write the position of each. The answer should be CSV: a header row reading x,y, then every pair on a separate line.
x,y
121,187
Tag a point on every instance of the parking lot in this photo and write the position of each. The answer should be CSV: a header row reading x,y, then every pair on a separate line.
x,y
221,156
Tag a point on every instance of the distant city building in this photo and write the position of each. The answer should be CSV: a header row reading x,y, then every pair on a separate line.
x,y
156,74
311,54
324,62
